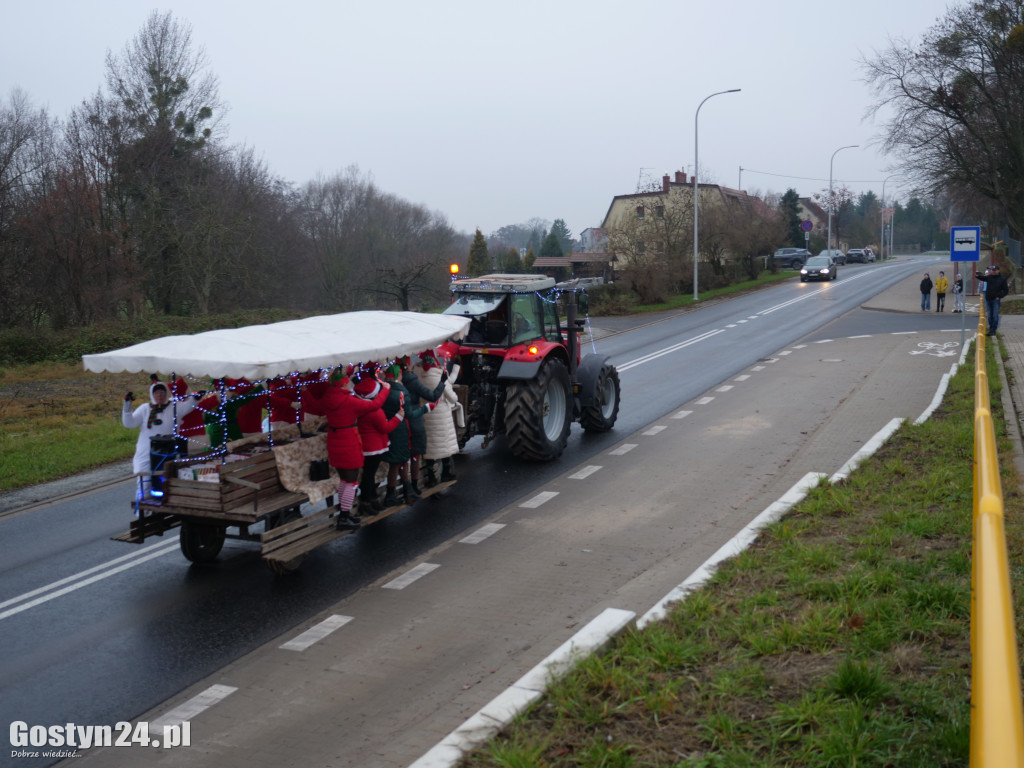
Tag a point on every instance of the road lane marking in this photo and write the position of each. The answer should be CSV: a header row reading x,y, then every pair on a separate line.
x,y
744,377
584,473
669,350
539,499
622,450
682,414
705,400
411,576
655,430
194,706
482,533
136,558
724,388
316,633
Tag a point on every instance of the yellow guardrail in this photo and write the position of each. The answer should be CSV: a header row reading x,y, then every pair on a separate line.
x,y
997,718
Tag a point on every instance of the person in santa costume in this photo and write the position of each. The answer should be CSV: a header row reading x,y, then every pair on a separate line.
x,y
375,430
343,408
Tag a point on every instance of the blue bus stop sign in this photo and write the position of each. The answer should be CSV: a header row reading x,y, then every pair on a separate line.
x,y
965,244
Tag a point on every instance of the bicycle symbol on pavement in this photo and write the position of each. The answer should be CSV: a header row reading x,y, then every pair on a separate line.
x,y
948,349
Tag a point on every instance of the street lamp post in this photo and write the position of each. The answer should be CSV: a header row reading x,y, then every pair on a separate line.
x,y
696,167
831,202
881,242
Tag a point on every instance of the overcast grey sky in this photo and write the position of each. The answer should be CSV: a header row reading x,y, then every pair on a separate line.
x,y
492,114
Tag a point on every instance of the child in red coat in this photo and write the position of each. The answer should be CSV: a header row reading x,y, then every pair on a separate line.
x,y
374,430
344,449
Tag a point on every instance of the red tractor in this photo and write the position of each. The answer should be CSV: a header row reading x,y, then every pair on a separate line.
x,y
520,369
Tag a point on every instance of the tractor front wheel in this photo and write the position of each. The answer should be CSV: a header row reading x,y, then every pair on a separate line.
x,y
538,413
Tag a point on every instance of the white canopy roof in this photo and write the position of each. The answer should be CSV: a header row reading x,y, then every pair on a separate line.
x,y
267,351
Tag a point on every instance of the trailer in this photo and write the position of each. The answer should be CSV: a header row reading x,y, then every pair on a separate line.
x,y
264,488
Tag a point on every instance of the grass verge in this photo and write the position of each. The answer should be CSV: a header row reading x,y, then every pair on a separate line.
x,y
841,637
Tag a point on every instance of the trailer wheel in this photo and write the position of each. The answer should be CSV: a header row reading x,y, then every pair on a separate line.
x,y
538,413
201,542
283,569
601,415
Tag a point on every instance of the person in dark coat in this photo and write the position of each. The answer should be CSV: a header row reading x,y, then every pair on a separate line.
x,y
418,393
995,289
400,448
926,293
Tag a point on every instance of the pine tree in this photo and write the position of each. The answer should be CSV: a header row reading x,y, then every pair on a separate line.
x,y
551,246
479,260
511,264
528,260
561,231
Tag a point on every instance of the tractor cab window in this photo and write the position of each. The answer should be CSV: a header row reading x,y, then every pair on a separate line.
x,y
490,316
526,317
551,330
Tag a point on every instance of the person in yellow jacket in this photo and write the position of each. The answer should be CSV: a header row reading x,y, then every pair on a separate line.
x,y
941,286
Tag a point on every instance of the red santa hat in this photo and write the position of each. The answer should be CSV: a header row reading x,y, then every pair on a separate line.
x,y
367,387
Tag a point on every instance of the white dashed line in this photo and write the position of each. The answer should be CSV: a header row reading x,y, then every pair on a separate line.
x,y
539,499
622,449
724,388
744,377
757,368
705,400
316,633
415,574
194,706
655,430
584,473
482,533
681,414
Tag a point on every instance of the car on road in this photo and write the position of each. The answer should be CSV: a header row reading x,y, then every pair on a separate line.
x,y
835,254
857,256
870,254
819,268
793,258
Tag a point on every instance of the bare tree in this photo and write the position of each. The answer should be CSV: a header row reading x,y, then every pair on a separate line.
x,y
957,104
26,161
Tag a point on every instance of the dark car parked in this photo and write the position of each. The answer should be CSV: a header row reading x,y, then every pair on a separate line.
x,y
856,255
793,258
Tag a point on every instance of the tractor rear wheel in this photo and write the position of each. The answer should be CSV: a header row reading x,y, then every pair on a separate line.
x,y
600,416
538,413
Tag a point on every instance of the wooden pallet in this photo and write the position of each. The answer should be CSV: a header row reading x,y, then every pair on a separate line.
x,y
286,543
152,524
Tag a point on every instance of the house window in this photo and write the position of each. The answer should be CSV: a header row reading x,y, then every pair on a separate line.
x,y
659,212
640,212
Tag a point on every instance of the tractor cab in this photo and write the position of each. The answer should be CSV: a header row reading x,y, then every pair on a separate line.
x,y
505,310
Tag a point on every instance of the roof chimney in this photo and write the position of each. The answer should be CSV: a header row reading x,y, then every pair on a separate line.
x,y
680,177
664,183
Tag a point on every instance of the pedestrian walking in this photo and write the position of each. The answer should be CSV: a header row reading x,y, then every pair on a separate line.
x,y
941,286
958,293
995,289
926,293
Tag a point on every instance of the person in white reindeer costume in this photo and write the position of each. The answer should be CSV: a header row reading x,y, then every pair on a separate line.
x,y
442,440
153,419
